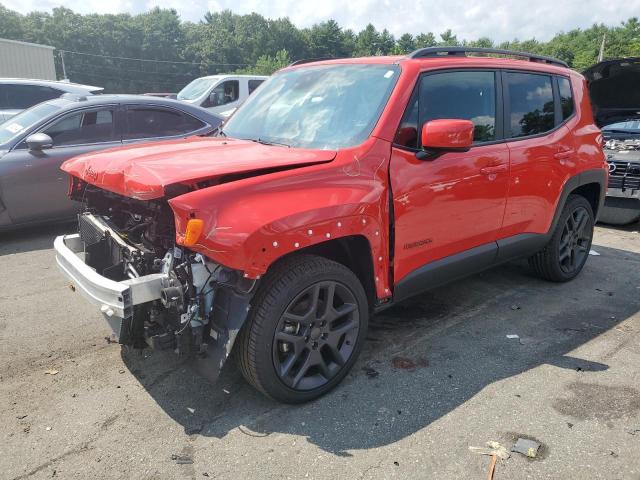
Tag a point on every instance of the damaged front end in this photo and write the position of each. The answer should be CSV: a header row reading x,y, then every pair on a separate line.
x,y
152,292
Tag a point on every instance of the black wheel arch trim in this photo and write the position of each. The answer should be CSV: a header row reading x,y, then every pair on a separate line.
x,y
596,175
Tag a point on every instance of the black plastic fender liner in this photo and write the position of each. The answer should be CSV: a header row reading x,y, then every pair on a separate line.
x,y
598,175
230,311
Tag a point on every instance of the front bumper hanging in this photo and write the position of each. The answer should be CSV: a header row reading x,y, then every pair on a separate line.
x,y
114,299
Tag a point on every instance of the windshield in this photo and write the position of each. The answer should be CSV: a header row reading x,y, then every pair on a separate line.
x,y
632,127
323,107
196,89
17,124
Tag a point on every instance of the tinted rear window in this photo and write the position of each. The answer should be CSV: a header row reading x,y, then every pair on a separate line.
x,y
531,108
152,123
20,97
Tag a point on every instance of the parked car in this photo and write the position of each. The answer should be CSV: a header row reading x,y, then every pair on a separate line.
x,y
34,144
338,189
162,95
221,94
17,94
613,86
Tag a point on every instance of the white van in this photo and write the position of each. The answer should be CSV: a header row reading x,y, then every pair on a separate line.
x,y
221,94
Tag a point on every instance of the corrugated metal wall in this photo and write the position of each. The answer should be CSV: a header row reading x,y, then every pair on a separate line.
x,y
26,60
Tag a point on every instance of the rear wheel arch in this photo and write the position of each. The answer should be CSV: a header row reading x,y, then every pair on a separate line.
x,y
591,192
590,184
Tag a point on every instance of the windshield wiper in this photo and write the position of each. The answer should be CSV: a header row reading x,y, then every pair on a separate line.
x,y
269,142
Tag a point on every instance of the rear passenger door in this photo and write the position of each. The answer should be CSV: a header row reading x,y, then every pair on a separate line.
x,y
453,203
542,150
144,123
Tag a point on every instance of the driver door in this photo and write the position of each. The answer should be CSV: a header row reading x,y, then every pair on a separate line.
x,y
33,186
449,209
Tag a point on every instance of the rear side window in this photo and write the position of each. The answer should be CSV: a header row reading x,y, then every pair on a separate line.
x,y
566,97
253,84
154,122
530,100
83,128
21,97
468,95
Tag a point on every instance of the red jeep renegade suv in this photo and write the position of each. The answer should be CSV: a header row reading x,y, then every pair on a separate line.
x,y
339,188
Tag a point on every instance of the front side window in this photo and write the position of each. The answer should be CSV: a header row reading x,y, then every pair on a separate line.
x,y
469,95
224,93
153,123
321,106
531,107
566,97
82,128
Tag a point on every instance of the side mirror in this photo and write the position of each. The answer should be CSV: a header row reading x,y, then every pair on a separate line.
x,y
39,141
446,135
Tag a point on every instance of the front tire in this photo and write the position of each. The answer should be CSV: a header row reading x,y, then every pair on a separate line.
x,y
566,253
305,331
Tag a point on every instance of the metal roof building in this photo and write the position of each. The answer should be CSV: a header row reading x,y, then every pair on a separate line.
x,y
26,60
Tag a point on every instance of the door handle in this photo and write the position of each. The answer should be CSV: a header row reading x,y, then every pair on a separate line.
x,y
493,169
564,154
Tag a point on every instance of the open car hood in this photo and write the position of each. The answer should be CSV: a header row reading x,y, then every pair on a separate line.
x,y
144,171
614,88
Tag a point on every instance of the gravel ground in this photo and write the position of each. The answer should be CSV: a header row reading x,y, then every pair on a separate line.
x,y
571,381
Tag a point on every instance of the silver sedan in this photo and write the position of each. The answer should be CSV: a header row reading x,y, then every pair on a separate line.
x,y
34,144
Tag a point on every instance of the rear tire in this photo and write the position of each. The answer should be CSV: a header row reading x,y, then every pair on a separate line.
x,y
305,331
564,256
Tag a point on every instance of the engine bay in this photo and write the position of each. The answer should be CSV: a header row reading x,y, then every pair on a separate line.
x,y
126,239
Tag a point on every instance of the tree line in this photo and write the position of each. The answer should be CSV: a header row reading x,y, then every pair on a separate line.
x,y
156,51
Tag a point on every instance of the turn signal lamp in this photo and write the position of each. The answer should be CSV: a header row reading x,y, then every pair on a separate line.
x,y
193,232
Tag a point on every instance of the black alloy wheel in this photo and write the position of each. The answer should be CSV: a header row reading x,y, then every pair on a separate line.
x,y
564,256
316,335
575,241
306,327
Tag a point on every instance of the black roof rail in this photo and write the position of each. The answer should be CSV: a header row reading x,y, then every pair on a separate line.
x,y
310,60
462,51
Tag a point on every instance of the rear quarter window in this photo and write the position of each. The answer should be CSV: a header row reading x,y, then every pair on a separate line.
x,y
566,97
530,104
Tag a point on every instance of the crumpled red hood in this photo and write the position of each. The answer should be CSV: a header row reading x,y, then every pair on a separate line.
x,y
143,171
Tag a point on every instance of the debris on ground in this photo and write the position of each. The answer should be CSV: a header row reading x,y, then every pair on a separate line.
x,y
182,459
20,417
48,429
526,447
513,336
51,371
370,372
495,451
492,448
191,410
408,363
515,307
593,252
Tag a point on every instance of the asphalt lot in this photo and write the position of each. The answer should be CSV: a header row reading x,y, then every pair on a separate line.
x,y
571,381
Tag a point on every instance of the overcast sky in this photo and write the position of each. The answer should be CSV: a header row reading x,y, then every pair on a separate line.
x,y
499,20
